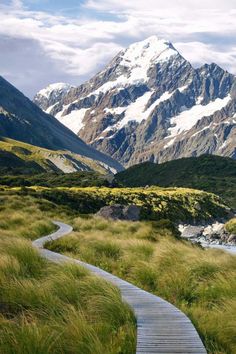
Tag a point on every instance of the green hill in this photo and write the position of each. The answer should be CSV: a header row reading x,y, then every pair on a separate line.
x,y
175,204
17,158
21,119
208,172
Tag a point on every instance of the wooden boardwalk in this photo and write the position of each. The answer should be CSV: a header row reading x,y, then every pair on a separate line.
x,y
161,327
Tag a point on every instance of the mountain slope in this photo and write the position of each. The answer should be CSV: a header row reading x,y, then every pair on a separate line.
x,y
22,120
210,173
17,157
150,104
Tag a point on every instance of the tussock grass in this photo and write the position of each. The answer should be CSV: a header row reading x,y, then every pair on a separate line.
x,y
49,308
24,216
200,282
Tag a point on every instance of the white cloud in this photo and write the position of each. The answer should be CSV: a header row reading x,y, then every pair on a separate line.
x,y
203,31
17,4
197,52
114,5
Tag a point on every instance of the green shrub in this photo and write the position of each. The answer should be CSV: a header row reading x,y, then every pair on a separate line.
x,y
231,226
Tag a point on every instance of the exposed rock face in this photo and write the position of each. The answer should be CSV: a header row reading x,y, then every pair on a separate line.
x,y
150,104
120,212
21,119
214,234
51,94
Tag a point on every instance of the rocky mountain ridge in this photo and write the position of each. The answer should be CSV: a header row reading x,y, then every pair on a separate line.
x,y
150,104
52,94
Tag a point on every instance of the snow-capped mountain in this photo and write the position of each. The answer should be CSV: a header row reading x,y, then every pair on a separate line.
x,y
53,93
149,103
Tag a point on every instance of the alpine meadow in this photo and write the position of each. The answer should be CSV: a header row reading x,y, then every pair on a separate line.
x,y
117,177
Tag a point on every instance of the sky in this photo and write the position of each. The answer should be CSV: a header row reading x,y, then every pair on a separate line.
x,y
48,41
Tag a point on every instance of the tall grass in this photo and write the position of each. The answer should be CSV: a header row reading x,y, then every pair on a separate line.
x,y
200,282
48,308
24,216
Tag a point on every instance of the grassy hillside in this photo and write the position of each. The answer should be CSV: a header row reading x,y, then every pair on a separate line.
x,y
176,204
75,179
47,308
208,172
21,158
22,120
200,282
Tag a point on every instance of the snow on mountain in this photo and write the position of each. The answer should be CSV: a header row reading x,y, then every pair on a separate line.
x,y
189,117
138,111
47,97
150,103
136,61
58,87
73,120
140,56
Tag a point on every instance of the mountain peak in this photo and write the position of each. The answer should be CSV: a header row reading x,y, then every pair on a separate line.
x,y
152,41
142,55
149,103
51,94
56,87
131,66
150,48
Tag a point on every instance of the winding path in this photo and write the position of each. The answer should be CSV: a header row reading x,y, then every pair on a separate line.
x,y
161,327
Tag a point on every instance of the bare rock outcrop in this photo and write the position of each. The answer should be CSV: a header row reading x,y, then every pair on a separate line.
x,y
120,212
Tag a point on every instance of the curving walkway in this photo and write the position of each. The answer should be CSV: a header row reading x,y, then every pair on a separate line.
x,y
161,327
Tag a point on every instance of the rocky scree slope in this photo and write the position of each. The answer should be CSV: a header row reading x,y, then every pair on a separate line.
x,y
150,104
22,120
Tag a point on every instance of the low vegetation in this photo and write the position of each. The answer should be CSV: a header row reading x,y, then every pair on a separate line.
x,y
149,254
75,179
48,308
176,204
18,158
231,226
211,173
16,212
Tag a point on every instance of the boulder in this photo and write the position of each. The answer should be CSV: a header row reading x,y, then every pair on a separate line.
x,y
232,239
120,212
191,231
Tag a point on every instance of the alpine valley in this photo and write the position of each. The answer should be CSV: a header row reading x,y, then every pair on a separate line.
x,y
52,145
150,104
125,168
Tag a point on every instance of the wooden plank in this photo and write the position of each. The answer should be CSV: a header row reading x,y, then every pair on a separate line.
x,y
161,327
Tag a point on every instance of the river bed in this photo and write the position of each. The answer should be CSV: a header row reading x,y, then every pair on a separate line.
x,y
210,236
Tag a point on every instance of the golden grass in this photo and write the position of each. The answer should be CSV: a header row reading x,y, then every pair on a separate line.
x,y
200,282
48,308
